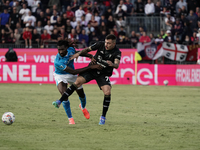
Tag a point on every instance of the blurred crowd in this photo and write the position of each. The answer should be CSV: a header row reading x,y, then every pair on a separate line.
x,y
45,22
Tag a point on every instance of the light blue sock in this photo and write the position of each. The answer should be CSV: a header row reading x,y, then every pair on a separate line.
x,y
66,106
83,102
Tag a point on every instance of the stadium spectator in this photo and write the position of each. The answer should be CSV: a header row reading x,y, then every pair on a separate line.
x,y
63,34
88,16
69,13
35,37
27,36
169,21
122,6
14,18
78,30
103,27
122,31
164,12
45,37
158,40
19,28
7,6
3,36
54,36
34,6
49,27
171,6
180,4
108,12
102,8
18,6
197,10
149,8
68,27
95,8
83,22
151,36
169,37
75,5
84,37
23,2
17,37
48,14
158,8
87,5
64,19
192,19
187,40
110,23
54,2
178,40
93,37
97,17
74,22
89,29
194,38
120,22
42,19
139,8
30,20
102,35
144,38
59,24
53,18
79,13
94,23
8,30
121,39
73,36
44,4
127,40
103,19
4,18
130,8
39,27
13,3
10,39
177,28
23,12
134,39
38,10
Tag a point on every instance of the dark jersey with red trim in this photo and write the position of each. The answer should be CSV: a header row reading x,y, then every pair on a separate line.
x,y
102,55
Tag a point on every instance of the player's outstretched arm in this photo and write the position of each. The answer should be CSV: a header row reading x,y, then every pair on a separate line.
x,y
80,53
85,55
81,70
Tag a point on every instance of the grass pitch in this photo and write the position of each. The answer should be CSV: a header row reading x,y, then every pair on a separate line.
x,y
139,118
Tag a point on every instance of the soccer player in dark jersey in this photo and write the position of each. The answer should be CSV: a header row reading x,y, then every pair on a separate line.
x,y
108,56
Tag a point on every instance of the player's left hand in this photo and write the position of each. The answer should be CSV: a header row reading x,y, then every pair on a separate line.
x,y
99,67
109,63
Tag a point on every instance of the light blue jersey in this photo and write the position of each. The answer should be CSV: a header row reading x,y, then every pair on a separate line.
x,y
60,63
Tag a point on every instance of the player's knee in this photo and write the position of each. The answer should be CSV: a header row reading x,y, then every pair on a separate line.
x,y
107,92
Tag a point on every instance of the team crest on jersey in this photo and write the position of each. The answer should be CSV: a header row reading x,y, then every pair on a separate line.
x,y
61,66
110,55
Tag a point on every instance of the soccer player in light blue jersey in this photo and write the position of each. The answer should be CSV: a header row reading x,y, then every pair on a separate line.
x,y
65,74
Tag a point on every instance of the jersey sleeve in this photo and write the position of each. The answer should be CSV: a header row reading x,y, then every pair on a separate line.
x,y
96,45
118,55
60,66
70,51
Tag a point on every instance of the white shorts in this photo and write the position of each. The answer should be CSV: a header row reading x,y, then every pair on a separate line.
x,y
65,78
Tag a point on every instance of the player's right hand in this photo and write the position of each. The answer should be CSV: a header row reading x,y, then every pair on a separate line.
x,y
96,67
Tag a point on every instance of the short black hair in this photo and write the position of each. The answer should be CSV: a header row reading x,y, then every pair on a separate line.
x,y
111,36
67,43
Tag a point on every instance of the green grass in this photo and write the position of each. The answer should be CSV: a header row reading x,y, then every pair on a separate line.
x,y
139,118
